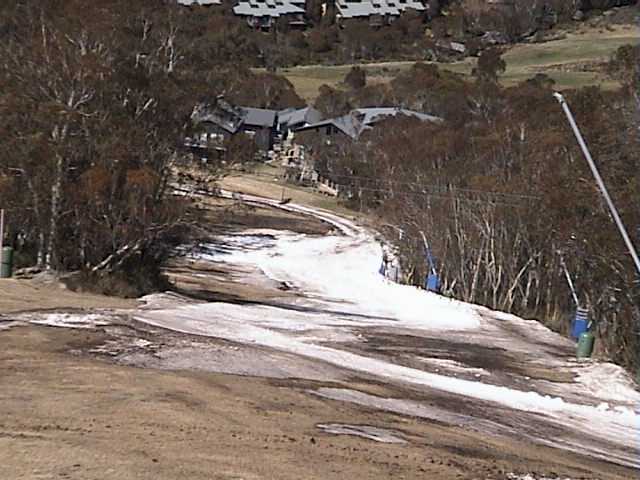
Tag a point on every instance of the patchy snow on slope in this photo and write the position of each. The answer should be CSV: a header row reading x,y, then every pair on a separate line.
x,y
608,382
70,320
343,294
227,244
254,325
340,273
343,290
404,407
155,301
376,434
455,367
342,270
8,324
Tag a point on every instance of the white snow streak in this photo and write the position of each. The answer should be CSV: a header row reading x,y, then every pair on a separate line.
x,y
261,326
70,320
340,274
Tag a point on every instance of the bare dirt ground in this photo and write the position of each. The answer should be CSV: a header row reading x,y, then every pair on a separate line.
x,y
44,294
67,413
131,401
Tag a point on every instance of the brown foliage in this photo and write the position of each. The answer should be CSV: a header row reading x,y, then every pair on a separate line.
x,y
91,121
95,183
356,78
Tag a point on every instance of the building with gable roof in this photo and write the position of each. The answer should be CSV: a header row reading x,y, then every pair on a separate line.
x,y
260,124
204,3
291,119
359,120
379,12
216,123
262,14
303,169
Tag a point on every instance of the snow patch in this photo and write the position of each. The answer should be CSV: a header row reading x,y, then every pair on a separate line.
x,y
529,476
71,320
163,300
255,325
607,381
397,405
8,325
376,434
341,274
452,365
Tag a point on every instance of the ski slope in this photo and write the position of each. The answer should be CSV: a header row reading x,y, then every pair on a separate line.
x,y
342,300
444,360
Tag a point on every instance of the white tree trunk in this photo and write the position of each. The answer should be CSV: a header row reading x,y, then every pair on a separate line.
x,y
56,197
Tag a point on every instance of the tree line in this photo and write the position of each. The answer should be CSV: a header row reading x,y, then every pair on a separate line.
x,y
94,105
215,32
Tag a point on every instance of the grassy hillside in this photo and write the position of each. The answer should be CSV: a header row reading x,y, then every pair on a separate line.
x,y
572,62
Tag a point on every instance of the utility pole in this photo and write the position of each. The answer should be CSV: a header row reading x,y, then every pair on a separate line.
x,y
599,181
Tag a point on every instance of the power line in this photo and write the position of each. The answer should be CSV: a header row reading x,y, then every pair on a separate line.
x,y
434,189
451,197
439,188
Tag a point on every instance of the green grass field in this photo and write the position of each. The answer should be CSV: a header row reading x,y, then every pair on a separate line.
x,y
567,61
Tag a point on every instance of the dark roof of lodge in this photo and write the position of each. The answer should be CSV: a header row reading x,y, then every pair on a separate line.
x,y
259,117
361,119
232,118
296,116
199,2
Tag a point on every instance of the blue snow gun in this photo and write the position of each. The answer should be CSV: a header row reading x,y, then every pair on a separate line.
x,y
580,323
432,280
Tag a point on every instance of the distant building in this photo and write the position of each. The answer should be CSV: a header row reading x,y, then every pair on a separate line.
x,y
206,3
359,120
303,168
379,12
216,123
273,131
292,119
288,153
260,124
262,14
